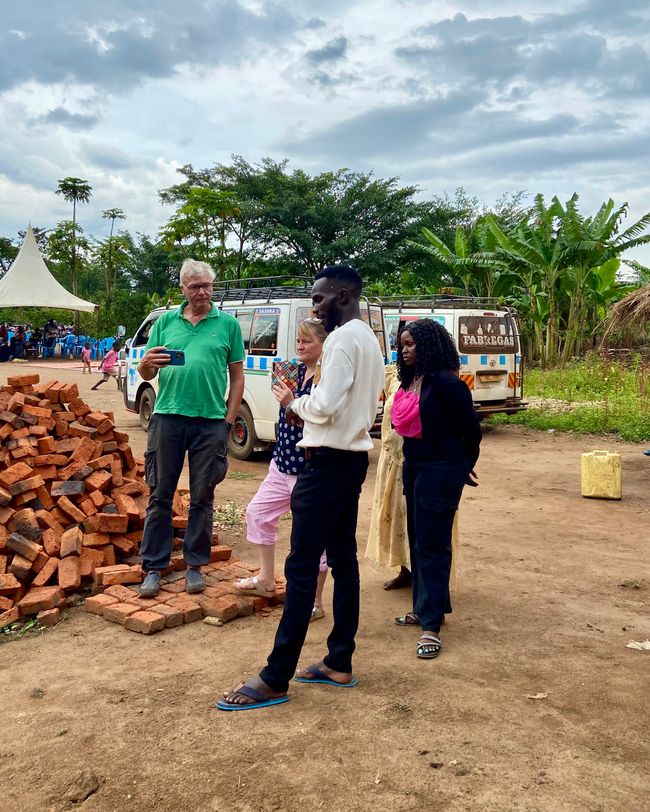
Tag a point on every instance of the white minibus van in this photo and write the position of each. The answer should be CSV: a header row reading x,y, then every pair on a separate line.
x,y
488,341
268,313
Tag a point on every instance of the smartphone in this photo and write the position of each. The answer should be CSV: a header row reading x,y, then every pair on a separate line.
x,y
176,358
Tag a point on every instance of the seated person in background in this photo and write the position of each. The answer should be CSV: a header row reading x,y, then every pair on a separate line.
x,y
17,343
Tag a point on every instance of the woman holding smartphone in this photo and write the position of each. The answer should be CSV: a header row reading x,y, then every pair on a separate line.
x,y
273,498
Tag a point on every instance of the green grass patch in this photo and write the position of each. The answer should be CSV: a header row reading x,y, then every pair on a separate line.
x,y
588,396
240,475
21,628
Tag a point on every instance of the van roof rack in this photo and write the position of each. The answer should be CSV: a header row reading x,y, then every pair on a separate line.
x,y
262,288
441,300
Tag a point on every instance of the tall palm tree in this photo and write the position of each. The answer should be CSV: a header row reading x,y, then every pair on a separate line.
x,y
74,190
112,215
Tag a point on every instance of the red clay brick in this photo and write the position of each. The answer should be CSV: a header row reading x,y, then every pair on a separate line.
x,y
120,592
40,598
173,617
6,604
69,573
51,542
191,611
49,617
118,612
22,380
71,542
20,567
14,474
25,522
106,523
223,608
145,622
40,561
27,548
89,560
97,603
8,583
46,573
96,539
6,618
70,509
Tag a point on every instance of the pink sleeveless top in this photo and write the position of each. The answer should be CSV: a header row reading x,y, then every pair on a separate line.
x,y
405,414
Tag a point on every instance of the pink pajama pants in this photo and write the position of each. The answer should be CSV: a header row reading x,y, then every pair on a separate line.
x,y
270,503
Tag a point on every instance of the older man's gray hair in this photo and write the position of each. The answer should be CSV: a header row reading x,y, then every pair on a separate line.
x,y
192,268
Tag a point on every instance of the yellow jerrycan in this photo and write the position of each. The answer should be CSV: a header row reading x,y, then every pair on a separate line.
x,y
601,475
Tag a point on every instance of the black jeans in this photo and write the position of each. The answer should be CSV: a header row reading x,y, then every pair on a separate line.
x,y
433,489
169,437
324,504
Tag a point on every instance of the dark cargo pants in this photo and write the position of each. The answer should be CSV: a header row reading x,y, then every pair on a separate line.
x,y
170,437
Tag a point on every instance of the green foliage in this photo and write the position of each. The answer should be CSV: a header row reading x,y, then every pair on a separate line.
x,y
589,396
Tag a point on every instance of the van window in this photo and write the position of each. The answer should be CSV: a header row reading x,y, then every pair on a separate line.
x,y
245,319
481,334
264,332
142,336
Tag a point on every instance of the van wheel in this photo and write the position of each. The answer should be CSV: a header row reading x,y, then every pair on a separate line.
x,y
242,435
147,402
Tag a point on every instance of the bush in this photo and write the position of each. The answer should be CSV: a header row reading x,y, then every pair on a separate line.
x,y
589,396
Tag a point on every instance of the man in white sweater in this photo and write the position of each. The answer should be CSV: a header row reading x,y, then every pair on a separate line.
x,y
337,416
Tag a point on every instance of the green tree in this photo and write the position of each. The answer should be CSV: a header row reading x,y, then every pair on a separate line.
x,y
153,268
112,215
8,253
74,190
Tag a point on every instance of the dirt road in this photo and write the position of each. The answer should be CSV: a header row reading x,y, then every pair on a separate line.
x,y
552,587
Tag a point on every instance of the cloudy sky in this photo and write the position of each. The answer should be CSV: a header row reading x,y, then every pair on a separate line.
x,y
493,96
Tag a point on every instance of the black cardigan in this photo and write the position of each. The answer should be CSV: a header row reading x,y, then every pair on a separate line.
x,y
449,421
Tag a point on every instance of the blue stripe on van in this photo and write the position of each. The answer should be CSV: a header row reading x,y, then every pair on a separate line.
x,y
483,359
464,359
502,360
263,361
250,362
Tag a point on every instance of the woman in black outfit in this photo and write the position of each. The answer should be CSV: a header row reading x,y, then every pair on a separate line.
x,y
433,411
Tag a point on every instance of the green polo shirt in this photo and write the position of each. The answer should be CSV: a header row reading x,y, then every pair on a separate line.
x,y
197,389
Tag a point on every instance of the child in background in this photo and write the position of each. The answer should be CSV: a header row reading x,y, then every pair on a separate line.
x,y
109,366
85,359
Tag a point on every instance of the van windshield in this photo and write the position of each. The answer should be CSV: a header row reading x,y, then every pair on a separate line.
x,y
481,334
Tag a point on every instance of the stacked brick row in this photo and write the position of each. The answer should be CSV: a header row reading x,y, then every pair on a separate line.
x,y
173,606
72,499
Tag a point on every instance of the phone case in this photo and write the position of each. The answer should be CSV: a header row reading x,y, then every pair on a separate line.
x,y
287,371
177,358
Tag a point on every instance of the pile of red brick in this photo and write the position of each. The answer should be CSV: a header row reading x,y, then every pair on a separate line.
x,y
72,499
72,507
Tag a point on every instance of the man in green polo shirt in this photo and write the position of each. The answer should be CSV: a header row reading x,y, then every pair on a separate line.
x,y
191,415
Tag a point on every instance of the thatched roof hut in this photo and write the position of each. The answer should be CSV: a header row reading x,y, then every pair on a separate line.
x,y
631,311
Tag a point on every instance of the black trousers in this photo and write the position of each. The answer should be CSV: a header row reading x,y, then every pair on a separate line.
x,y
433,489
170,437
324,504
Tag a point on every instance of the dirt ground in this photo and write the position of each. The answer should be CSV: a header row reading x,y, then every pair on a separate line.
x,y
552,587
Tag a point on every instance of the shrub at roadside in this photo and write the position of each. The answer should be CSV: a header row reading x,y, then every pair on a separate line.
x,y
589,396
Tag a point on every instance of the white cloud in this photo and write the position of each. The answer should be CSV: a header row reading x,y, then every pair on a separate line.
x,y
494,96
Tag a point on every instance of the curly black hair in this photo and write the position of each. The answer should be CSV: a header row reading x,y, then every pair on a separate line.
x,y
435,349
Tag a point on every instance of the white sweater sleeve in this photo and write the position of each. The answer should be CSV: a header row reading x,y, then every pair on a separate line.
x,y
329,396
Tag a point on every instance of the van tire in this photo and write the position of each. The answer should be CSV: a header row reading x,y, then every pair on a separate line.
x,y
145,408
242,439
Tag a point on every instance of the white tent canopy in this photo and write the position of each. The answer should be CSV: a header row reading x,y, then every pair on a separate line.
x,y
28,283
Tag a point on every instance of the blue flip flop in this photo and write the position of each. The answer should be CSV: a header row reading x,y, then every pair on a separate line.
x,y
320,678
260,700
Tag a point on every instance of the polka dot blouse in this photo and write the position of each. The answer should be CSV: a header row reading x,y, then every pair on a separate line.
x,y
287,456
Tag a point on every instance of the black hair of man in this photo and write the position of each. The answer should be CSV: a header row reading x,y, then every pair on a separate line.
x,y
344,276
